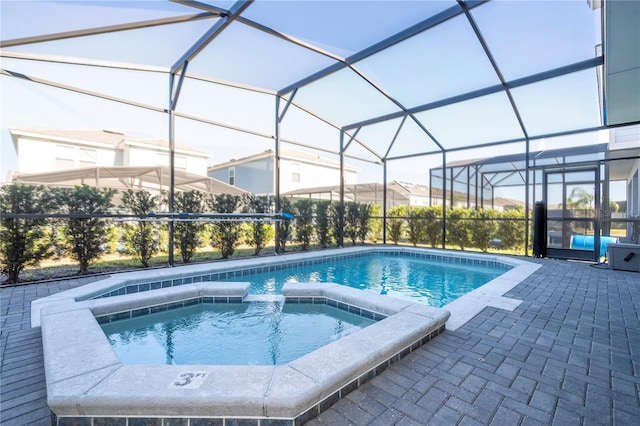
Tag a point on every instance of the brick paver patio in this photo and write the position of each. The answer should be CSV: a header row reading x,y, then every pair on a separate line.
x,y
568,355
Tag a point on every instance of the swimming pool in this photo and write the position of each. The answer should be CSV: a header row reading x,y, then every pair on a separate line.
x,y
87,381
253,333
423,279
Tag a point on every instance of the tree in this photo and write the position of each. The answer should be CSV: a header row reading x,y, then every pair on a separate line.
x,y
225,234
581,202
323,223
22,240
304,221
86,237
580,198
188,234
395,224
257,233
140,236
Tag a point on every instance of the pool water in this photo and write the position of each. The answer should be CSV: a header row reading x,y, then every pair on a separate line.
x,y
256,333
435,283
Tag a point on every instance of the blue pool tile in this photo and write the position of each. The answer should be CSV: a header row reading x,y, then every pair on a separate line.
x,y
206,422
174,305
139,312
158,308
109,421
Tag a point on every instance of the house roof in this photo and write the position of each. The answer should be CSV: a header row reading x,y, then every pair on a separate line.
x,y
104,138
127,177
397,193
286,153
371,192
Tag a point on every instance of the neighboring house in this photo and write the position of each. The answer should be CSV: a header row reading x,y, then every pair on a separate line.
x,y
398,194
298,169
108,159
47,150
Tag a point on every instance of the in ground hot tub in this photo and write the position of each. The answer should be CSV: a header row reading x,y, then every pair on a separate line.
x,y
259,331
87,379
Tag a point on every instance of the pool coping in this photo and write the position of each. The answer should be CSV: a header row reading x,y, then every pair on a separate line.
x,y
85,377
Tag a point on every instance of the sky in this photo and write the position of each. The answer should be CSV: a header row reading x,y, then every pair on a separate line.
x,y
525,37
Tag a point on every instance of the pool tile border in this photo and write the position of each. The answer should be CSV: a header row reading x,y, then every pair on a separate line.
x,y
164,307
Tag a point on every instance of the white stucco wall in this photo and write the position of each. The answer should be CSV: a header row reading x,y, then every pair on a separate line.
x,y
142,156
37,156
311,175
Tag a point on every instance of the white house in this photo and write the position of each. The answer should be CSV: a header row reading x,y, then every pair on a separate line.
x,y
298,169
108,159
47,150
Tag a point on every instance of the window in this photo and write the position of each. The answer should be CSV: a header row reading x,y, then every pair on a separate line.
x,y
71,157
65,157
232,176
88,157
295,172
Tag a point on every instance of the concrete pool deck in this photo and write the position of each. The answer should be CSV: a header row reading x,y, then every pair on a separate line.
x,y
567,354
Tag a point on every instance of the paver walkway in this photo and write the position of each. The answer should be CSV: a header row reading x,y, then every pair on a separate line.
x,y
568,355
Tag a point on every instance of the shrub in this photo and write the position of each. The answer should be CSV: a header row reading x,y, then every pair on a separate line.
x,y
188,234
433,225
352,221
86,237
483,228
337,231
363,220
395,224
257,233
304,221
511,228
458,227
284,228
139,237
375,223
414,225
323,223
226,233
22,240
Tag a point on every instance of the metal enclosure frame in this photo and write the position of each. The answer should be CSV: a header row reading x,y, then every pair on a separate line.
x,y
348,133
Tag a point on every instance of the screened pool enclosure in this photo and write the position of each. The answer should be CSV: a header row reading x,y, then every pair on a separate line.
x,y
484,105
